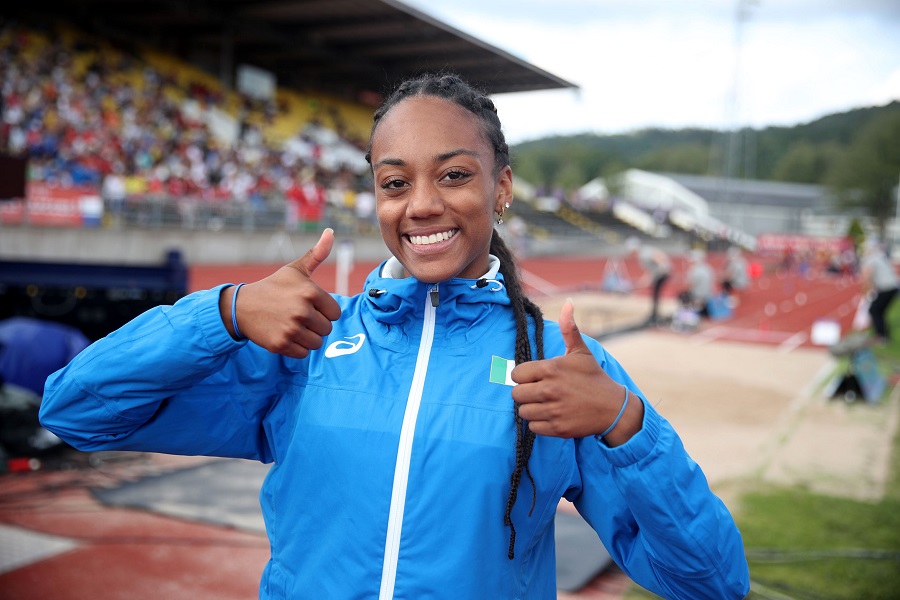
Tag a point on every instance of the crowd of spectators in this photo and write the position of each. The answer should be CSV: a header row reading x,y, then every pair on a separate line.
x,y
86,114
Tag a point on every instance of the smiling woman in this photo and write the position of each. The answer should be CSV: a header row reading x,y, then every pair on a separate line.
x,y
437,187
404,422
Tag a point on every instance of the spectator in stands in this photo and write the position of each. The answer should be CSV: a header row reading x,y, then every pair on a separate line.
x,y
364,209
78,119
879,282
657,268
700,279
413,456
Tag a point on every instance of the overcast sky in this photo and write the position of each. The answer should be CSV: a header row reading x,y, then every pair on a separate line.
x,y
662,63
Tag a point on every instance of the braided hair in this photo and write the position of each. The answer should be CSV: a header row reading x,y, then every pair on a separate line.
x,y
452,88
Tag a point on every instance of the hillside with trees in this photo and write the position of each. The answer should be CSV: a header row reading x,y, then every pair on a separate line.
x,y
806,153
856,154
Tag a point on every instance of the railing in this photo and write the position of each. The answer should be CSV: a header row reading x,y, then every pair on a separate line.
x,y
268,214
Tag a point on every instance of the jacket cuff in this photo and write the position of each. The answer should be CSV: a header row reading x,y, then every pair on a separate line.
x,y
640,445
209,321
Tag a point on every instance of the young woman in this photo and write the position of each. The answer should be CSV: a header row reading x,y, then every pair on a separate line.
x,y
410,459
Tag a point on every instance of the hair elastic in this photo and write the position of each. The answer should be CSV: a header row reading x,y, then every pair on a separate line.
x,y
618,416
237,332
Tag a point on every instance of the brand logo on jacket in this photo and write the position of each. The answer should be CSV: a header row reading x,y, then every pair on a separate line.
x,y
345,346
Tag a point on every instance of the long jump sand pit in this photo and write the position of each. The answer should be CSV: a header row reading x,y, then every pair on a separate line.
x,y
748,413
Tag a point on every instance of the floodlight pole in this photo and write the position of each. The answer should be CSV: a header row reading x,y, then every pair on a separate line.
x,y
734,137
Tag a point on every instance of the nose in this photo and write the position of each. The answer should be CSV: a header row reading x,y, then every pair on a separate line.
x,y
424,201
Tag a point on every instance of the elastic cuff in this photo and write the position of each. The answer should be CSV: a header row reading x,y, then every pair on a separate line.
x,y
641,444
209,319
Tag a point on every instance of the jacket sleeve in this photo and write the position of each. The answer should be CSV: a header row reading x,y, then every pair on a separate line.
x,y
653,509
172,380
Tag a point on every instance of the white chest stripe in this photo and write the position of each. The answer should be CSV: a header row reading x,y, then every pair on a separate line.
x,y
404,453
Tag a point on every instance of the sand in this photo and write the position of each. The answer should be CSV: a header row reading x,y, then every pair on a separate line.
x,y
749,413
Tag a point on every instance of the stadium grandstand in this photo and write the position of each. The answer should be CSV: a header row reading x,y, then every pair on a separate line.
x,y
247,116
218,115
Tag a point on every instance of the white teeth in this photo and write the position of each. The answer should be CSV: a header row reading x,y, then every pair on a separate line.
x,y
425,240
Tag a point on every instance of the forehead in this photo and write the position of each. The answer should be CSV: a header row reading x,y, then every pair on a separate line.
x,y
422,122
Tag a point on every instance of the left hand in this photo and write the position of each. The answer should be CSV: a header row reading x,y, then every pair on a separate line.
x,y
571,396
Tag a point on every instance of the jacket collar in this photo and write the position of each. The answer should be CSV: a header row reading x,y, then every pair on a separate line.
x,y
397,303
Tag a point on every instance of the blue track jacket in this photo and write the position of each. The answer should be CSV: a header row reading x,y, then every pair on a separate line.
x,y
393,449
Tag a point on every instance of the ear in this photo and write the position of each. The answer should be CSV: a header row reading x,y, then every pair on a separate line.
x,y
504,189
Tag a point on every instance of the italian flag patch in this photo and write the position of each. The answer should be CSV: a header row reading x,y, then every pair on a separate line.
x,y
501,369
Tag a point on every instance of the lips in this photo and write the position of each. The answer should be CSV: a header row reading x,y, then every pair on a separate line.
x,y
434,238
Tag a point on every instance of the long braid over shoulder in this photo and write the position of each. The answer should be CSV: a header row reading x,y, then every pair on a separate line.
x,y
522,307
450,87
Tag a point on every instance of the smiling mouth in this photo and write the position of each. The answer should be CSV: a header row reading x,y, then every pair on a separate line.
x,y
434,238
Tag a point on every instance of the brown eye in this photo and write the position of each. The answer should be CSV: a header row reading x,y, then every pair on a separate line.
x,y
393,184
457,175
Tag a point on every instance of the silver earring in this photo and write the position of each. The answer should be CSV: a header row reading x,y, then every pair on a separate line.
x,y
500,213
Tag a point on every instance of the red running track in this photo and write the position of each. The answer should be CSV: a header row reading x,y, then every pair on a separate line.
x,y
779,308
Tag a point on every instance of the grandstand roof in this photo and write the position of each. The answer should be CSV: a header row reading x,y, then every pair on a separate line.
x,y
354,48
755,192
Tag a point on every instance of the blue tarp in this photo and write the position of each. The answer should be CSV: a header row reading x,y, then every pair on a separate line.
x,y
32,349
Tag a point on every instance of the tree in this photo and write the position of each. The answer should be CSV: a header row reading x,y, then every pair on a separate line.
x,y
866,175
806,162
857,234
689,157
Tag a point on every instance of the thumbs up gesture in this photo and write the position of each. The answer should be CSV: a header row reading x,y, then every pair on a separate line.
x,y
287,312
571,396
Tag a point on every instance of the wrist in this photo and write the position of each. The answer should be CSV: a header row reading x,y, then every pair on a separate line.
x,y
628,422
618,418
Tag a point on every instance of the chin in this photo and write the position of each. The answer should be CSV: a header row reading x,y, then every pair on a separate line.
x,y
429,273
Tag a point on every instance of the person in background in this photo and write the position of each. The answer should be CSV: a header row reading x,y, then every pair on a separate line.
x,y
424,431
657,268
879,282
700,279
736,276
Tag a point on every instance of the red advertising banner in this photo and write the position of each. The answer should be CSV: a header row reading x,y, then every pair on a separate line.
x,y
51,205
778,243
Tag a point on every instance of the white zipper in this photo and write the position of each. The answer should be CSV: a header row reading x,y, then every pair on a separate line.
x,y
404,454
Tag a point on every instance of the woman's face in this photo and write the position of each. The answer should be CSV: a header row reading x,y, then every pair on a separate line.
x,y
436,188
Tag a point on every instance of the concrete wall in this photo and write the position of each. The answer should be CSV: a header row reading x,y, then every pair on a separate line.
x,y
150,246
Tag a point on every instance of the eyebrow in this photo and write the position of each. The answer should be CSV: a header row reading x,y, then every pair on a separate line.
x,y
398,162
452,153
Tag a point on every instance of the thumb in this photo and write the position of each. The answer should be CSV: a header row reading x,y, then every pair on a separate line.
x,y
569,330
316,255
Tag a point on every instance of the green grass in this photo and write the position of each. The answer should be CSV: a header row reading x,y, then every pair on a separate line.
x,y
806,545
803,545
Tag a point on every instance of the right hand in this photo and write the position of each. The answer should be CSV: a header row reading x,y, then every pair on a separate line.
x,y
287,312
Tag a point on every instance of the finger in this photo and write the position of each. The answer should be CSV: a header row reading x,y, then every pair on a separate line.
x,y
316,255
526,372
315,327
569,330
528,393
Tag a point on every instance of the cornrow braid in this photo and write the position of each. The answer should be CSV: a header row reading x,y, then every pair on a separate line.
x,y
451,88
